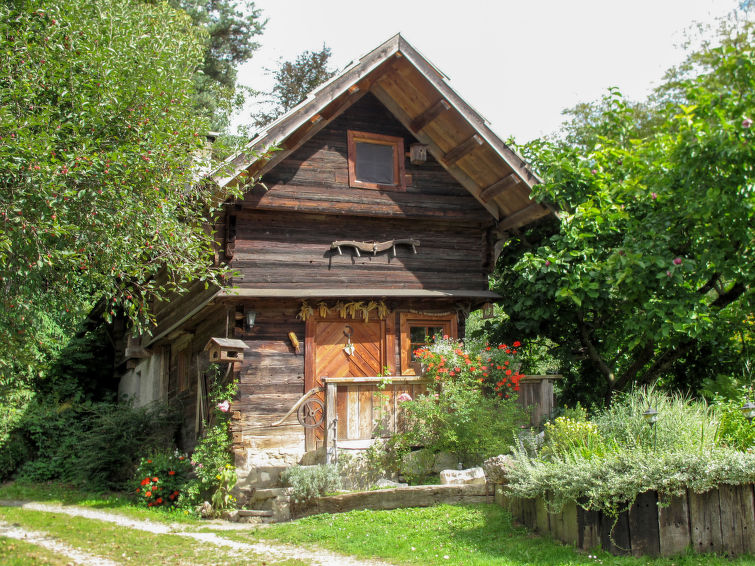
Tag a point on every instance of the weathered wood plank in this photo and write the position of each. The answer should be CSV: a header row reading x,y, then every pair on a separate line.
x,y
365,411
643,525
674,529
705,521
614,534
542,517
588,529
737,517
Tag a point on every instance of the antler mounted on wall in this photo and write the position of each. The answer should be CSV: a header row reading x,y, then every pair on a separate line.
x,y
374,247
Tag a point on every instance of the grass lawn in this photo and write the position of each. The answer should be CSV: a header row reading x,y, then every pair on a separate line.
x,y
20,553
114,502
447,534
122,544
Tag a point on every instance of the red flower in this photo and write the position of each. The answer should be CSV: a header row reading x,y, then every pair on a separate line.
x,y
148,494
508,372
149,461
159,499
155,479
517,344
171,473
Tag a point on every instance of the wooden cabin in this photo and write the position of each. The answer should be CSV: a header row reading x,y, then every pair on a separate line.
x,y
374,226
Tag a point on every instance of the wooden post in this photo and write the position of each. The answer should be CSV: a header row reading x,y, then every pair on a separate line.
x,y
643,525
614,534
673,526
330,420
588,528
736,518
705,521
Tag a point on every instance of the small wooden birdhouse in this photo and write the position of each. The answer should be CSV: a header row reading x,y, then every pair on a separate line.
x,y
225,350
417,153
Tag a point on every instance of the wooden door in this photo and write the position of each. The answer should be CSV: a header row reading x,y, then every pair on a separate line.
x,y
345,348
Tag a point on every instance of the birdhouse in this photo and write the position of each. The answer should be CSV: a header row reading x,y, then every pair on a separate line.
x,y
417,153
225,350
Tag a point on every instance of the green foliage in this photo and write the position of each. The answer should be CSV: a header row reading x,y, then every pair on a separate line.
x,y
229,41
734,429
647,275
97,200
160,479
566,436
605,463
97,445
294,80
469,409
212,458
307,483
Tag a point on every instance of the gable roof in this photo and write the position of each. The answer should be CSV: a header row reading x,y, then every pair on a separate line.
x,y
417,94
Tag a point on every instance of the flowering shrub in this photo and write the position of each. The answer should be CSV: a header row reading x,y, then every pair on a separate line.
x,y
469,408
212,460
494,367
160,479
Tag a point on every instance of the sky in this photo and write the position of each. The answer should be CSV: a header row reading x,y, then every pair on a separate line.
x,y
519,64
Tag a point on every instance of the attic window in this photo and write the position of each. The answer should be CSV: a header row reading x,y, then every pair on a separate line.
x,y
376,161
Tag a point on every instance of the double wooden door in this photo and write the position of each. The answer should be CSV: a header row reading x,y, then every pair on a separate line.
x,y
338,347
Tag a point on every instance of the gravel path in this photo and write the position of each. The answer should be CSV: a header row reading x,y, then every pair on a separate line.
x,y
269,551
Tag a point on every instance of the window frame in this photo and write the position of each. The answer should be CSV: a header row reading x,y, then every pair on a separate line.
x,y
407,320
395,142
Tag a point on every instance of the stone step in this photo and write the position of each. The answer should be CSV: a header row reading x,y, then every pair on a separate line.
x,y
255,513
267,493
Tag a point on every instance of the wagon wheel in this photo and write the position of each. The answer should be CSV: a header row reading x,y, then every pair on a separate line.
x,y
311,413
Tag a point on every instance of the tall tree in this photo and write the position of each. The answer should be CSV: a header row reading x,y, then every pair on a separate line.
x,y
294,80
649,272
97,196
230,41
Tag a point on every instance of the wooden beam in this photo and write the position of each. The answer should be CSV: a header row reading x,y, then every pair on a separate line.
x,y
500,186
523,216
468,183
468,145
419,123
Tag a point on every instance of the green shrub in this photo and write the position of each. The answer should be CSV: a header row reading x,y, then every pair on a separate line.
x,y
567,436
96,445
160,479
680,452
310,482
735,430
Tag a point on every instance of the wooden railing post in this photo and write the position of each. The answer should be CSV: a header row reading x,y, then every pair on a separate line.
x,y
330,421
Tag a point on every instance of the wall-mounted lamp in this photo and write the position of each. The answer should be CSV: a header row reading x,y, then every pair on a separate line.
x,y
249,319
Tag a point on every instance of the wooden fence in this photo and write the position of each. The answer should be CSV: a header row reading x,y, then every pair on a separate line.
x,y
721,521
536,392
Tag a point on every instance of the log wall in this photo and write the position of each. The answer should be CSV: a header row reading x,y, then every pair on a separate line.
x,y
288,251
271,380
719,521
